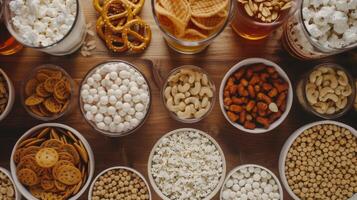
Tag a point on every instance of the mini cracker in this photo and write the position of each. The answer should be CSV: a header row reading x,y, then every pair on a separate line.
x,y
27,177
69,175
47,157
68,148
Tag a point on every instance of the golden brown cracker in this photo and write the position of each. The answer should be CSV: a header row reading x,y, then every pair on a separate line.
x,y
27,177
47,157
69,175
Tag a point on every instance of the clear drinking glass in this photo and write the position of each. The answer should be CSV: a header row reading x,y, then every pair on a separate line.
x,y
192,46
70,42
299,43
253,29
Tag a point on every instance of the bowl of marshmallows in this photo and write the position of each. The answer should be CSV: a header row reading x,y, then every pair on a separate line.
x,y
115,98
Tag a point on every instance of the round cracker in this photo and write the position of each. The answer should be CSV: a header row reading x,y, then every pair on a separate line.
x,y
52,143
47,183
27,177
47,157
69,175
66,156
58,165
71,150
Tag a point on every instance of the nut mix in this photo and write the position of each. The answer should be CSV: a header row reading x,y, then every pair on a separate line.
x,y
265,11
52,164
255,96
48,93
4,93
188,93
322,163
328,90
186,165
120,184
192,20
251,182
120,27
7,189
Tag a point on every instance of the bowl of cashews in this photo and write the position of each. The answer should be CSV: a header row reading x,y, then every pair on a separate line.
x,y
188,94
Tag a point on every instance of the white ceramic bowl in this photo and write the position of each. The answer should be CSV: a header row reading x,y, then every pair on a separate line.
x,y
114,168
252,165
23,190
250,61
7,173
291,140
11,99
152,181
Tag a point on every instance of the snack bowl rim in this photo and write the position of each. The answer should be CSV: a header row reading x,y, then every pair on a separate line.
x,y
31,75
212,100
8,174
286,147
175,131
92,124
11,99
281,193
116,168
25,192
282,73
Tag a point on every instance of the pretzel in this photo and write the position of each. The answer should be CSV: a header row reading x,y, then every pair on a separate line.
x,y
116,13
98,5
115,42
136,5
140,32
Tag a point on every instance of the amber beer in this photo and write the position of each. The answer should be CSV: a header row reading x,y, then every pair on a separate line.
x,y
8,44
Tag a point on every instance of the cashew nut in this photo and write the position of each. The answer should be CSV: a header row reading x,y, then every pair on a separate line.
x,y
202,111
325,91
194,100
325,70
204,80
184,88
183,78
333,80
195,90
174,78
187,113
342,78
198,76
322,105
174,108
347,91
190,75
187,94
339,90
178,97
206,91
331,97
205,102
330,110
319,80
341,103
312,95
174,90
325,83
167,92
314,75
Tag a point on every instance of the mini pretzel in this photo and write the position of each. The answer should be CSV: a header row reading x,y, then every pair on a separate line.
x,y
116,13
136,5
140,32
115,42
98,5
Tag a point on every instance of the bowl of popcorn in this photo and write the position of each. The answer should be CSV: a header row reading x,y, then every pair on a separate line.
x,y
188,94
186,163
327,91
7,186
255,95
119,183
47,92
54,27
251,182
52,161
115,98
7,95
318,161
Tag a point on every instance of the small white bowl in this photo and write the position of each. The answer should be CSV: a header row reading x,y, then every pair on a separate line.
x,y
114,168
251,165
11,99
220,183
7,173
281,72
91,167
290,141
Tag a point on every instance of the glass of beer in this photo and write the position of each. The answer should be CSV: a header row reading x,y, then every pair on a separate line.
x,y
8,44
256,19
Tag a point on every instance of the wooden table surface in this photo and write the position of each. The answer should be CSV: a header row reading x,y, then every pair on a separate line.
x,y
133,150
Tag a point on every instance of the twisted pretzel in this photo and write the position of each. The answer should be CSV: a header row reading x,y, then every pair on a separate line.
x,y
115,41
98,5
136,5
116,13
137,35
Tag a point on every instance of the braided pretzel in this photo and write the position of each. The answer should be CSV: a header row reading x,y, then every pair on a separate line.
x,y
98,5
136,5
116,13
140,33
115,42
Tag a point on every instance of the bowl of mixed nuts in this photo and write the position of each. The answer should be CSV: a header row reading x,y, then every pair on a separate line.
x,y
318,161
255,95
7,186
7,95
